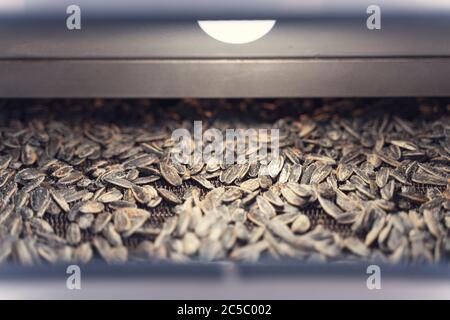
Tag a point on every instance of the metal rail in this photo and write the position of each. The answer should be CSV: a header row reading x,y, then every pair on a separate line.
x,y
225,77
225,281
308,55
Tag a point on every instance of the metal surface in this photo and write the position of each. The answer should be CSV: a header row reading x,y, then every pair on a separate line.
x,y
322,51
225,281
218,9
225,78
422,36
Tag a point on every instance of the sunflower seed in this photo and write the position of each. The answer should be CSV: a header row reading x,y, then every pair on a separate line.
x,y
140,194
170,174
101,220
356,246
92,207
191,243
404,144
266,208
110,234
433,224
122,221
83,253
40,198
22,253
292,198
73,234
169,196
119,182
203,182
301,224
271,196
275,166
59,199
329,207
111,196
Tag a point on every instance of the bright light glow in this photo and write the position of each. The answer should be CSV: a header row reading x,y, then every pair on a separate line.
x,y
236,31
7,6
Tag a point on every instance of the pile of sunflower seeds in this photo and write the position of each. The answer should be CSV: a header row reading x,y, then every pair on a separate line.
x,y
355,180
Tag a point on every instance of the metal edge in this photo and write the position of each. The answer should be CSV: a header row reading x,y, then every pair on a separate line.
x,y
230,78
213,270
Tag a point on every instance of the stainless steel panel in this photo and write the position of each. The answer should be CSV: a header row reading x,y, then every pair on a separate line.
x,y
309,38
226,281
225,78
219,9
156,49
